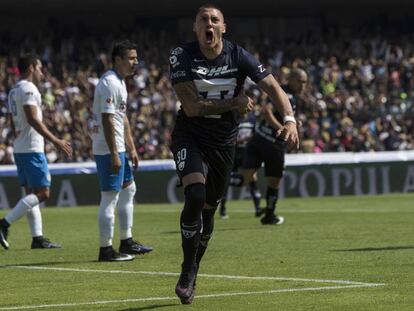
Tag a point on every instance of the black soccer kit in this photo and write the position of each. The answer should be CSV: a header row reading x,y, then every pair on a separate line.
x,y
266,147
206,144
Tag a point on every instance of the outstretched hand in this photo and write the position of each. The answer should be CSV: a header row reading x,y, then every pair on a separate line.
x,y
135,159
64,146
289,133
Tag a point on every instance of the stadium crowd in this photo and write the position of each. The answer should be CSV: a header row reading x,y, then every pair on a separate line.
x,y
360,95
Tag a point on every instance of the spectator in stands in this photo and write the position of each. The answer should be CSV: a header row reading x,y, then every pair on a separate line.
x,y
360,72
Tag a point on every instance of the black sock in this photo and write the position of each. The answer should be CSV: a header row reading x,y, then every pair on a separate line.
x,y
224,201
236,179
38,238
105,249
126,241
255,194
223,206
4,223
272,194
208,226
190,223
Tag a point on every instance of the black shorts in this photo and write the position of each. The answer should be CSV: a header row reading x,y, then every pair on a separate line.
x,y
260,150
214,164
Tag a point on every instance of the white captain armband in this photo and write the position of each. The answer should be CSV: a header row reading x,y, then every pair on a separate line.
x,y
287,119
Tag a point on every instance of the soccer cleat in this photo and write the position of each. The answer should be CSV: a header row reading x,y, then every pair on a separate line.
x,y
223,211
223,214
131,247
4,231
195,279
259,212
272,220
185,288
109,254
41,242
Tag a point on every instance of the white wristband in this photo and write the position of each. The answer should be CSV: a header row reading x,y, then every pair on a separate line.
x,y
287,119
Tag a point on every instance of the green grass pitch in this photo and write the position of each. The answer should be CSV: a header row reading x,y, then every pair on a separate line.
x,y
348,253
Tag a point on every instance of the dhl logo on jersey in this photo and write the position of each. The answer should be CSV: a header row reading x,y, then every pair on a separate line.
x,y
214,71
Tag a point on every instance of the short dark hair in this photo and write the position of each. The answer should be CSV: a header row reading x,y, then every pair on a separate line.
x,y
26,60
120,49
209,6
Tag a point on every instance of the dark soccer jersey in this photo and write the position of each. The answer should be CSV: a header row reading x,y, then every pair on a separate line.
x,y
221,78
246,129
264,130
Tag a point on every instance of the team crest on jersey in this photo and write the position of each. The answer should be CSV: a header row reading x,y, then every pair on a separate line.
x,y
109,100
177,51
181,165
122,107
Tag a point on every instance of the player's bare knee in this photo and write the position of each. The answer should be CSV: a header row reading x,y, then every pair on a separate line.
x,y
193,178
248,176
273,182
42,194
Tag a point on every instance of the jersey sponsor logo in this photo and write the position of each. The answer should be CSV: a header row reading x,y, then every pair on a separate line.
x,y
178,74
174,61
29,93
261,68
214,71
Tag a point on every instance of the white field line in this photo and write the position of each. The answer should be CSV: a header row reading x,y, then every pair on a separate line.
x,y
103,302
217,276
294,211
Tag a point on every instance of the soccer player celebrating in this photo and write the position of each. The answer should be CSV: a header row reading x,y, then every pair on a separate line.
x,y
25,110
207,76
111,135
265,147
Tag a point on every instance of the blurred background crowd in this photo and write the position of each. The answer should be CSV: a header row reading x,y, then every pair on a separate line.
x,y
359,98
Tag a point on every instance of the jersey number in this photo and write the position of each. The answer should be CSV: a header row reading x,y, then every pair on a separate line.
x,y
181,155
12,105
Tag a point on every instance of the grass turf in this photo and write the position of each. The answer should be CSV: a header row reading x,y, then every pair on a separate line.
x,y
361,239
